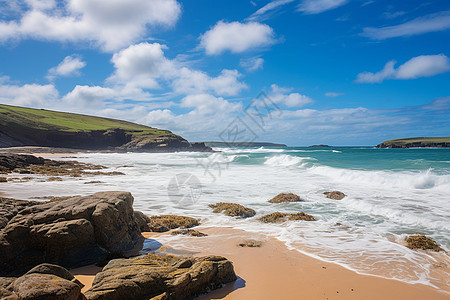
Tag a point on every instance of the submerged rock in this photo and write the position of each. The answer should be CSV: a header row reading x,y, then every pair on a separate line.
x,y
190,232
167,222
278,217
335,195
281,198
160,277
71,231
420,241
232,209
251,244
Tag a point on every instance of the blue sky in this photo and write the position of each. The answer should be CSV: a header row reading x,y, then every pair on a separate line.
x,y
340,72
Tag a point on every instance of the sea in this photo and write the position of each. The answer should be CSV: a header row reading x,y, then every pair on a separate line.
x,y
390,194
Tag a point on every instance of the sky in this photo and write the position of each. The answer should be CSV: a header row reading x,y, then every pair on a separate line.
x,y
337,72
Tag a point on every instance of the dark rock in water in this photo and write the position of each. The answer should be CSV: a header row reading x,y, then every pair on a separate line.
x,y
160,277
142,221
251,244
281,198
190,232
420,241
335,195
70,232
278,217
3,179
232,210
319,146
167,222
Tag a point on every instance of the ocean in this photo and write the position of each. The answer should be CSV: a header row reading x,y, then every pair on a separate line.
x,y
391,193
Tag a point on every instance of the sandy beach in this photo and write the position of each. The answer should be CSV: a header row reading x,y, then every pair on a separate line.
x,y
275,272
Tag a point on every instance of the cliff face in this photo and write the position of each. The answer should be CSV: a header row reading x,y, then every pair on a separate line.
x,y
423,142
31,127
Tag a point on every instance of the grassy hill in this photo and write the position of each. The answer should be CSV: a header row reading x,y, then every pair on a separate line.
x,y
20,126
438,142
43,119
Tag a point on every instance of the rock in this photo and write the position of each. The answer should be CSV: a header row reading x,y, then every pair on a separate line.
x,y
46,286
71,231
142,220
281,198
251,244
54,179
420,241
160,277
3,179
54,270
190,232
278,217
166,222
335,195
93,182
232,209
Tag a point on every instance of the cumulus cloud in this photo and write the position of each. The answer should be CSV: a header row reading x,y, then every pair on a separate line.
x,y
429,23
416,67
32,95
252,64
70,66
145,66
109,24
92,96
236,37
283,96
319,6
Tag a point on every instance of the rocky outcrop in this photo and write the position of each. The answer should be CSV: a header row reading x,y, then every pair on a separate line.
x,y
160,277
45,281
420,241
70,232
251,244
232,210
278,217
282,198
335,195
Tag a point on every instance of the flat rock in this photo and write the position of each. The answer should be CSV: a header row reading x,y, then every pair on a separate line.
x,y
278,217
160,277
232,210
165,223
335,195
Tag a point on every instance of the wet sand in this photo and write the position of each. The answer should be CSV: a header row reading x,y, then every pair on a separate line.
x,y
275,272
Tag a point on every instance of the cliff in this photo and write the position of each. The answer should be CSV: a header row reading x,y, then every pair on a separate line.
x,y
21,126
419,142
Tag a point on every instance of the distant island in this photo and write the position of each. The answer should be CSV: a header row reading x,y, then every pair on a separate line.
x,y
417,142
317,146
243,144
20,126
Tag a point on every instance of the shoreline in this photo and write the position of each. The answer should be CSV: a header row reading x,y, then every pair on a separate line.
x,y
274,271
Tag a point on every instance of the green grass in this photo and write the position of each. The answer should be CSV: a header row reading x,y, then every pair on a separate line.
x,y
61,121
420,139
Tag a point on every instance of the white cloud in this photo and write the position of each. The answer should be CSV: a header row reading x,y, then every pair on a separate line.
x,y
319,6
333,94
236,37
283,95
71,65
416,67
261,13
145,66
109,24
429,23
252,64
92,96
206,104
32,95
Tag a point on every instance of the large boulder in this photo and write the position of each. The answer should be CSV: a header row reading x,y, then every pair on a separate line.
x,y
160,277
335,195
70,232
